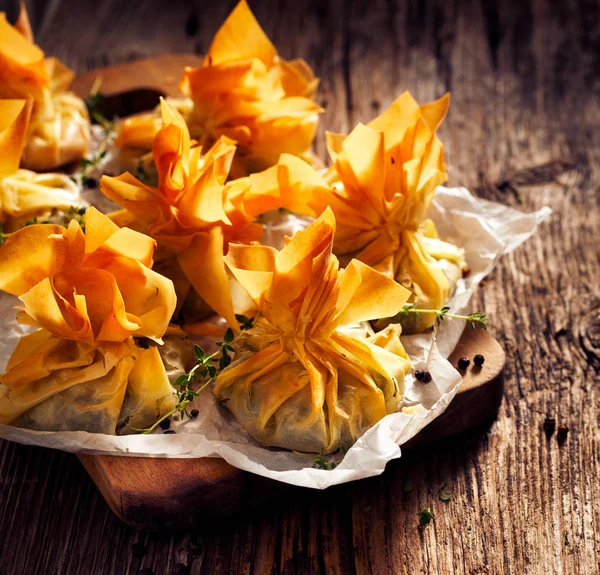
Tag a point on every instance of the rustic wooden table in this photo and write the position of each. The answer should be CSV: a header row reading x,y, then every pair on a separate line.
x,y
524,130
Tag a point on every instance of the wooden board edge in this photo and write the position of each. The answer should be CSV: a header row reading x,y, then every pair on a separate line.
x,y
160,73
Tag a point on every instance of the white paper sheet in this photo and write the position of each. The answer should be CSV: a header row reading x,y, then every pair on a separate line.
x,y
485,229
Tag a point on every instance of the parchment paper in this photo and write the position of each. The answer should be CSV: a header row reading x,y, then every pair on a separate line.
x,y
485,229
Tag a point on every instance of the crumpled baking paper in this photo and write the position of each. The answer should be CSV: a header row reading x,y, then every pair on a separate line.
x,y
486,230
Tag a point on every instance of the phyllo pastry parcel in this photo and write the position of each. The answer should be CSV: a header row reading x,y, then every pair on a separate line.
x,y
380,185
89,295
26,195
59,130
247,92
307,376
193,214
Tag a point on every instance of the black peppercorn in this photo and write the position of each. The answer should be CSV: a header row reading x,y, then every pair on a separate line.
x,y
479,360
90,183
419,374
463,363
562,433
165,423
427,377
194,413
169,431
549,426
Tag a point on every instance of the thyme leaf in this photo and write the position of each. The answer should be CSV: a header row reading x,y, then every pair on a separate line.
x,y
444,495
425,517
245,322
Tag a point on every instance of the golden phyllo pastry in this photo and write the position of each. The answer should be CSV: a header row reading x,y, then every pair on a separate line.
x,y
193,214
90,295
380,186
247,92
26,195
59,130
307,376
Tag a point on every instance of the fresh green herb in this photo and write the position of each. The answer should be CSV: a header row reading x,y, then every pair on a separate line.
x,y
203,372
408,487
245,322
77,214
73,213
226,347
93,103
444,495
321,462
475,319
109,132
88,165
425,517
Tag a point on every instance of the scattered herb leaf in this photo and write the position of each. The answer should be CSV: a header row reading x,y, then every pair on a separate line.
x,y
321,462
444,495
425,517
408,487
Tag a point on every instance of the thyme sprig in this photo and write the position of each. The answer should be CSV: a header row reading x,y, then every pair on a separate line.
x,y
77,214
73,213
61,217
93,104
204,372
475,319
109,133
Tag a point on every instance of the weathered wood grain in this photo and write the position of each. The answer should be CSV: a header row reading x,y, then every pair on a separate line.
x,y
523,127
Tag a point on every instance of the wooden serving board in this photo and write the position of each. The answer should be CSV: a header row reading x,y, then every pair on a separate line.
x,y
151,493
